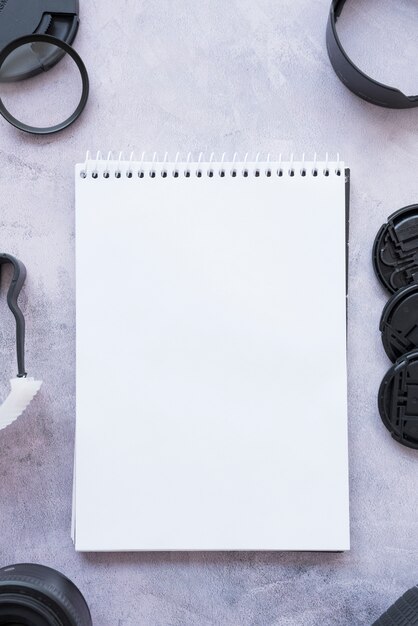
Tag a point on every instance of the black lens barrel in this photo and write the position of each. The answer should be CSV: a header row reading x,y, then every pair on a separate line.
x,y
35,595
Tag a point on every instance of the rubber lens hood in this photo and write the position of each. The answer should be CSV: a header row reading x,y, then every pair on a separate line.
x,y
353,78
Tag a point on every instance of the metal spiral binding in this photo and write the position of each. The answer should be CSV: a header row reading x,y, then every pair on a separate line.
x,y
210,167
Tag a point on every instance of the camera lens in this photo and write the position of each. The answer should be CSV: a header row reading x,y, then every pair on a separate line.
x,y
34,595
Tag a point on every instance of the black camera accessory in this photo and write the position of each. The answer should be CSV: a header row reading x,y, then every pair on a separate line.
x,y
398,400
19,18
23,388
395,249
404,612
34,595
356,80
19,275
54,43
399,323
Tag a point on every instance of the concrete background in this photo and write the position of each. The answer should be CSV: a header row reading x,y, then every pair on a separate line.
x,y
238,75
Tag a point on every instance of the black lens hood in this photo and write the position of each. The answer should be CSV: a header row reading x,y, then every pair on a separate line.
x,y
353,78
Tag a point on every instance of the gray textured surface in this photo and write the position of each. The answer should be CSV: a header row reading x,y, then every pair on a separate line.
x,y
238,75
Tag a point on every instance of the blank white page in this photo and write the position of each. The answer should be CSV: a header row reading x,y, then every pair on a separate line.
x,y
211,357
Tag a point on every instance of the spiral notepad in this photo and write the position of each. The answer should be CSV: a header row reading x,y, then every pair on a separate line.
x,y
211,354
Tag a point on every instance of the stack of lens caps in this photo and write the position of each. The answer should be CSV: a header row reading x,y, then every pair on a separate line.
x,y
395,260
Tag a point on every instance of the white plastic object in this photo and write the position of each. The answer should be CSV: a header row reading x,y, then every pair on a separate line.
x,y
23,390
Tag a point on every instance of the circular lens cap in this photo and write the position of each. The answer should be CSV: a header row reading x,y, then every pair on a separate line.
x,y
395,250
399,323
19,18
398,400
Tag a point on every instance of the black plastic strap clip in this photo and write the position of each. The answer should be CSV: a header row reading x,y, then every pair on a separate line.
x,y
19,275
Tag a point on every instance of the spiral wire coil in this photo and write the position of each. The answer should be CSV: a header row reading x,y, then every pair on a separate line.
x,y
210,167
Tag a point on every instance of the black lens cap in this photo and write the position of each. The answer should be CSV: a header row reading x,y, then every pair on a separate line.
x,y
19,18
398,400
399,323
395,250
